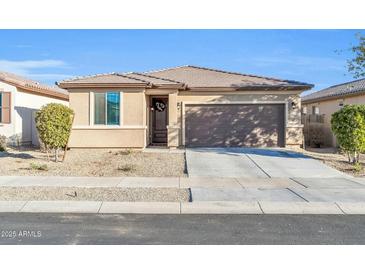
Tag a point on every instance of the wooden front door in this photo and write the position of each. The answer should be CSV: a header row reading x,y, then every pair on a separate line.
x,y
159,120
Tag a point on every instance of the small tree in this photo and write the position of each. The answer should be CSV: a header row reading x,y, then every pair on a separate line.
x,y
54,122
348,124
356,65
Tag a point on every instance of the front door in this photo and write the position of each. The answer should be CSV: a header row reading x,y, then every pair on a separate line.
x,y
159,120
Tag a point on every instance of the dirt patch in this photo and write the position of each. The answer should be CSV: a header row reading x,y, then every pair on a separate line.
x,y
95,194
332,157
94,162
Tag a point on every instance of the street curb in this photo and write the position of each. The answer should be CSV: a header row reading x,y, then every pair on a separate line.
x,y
217,207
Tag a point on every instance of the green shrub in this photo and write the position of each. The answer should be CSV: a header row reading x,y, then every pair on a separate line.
x,y
2,143
127,168
40,167
124,152
54,122
358,167
348,124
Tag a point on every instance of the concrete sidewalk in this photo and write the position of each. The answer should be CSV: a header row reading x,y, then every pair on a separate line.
x,y
180,182
209,195
58,181
183,208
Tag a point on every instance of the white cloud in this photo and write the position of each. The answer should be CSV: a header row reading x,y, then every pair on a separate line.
x,y
28,68
26,65
49,77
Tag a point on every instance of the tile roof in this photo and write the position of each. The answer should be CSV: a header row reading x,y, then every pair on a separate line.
x,y
349,88
130,78
194,76
106,78
33,86
186,76
153,79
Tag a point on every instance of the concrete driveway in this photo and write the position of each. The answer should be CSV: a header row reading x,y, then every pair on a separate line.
x,y
255,163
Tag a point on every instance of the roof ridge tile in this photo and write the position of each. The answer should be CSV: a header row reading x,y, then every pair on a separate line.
x,y
87,76
133,78
155,77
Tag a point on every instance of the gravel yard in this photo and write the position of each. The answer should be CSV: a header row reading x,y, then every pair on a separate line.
x,y
95,194
94,162
339,161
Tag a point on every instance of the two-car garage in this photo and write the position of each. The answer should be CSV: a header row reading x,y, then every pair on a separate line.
x,y
234,125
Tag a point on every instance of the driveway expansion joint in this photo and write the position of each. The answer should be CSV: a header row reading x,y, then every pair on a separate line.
x,y
260,207
292,191
340,208
295,181
239,183
258,166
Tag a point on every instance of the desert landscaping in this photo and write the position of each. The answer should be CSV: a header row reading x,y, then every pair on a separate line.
x,y
95,162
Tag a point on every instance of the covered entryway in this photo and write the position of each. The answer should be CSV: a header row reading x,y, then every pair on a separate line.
x,y
159,120
235,125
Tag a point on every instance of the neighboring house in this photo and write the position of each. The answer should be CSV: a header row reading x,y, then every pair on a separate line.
x,y
19,99
332,99
184,106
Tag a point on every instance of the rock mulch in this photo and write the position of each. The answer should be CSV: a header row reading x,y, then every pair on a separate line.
x,y
331,157
95,194
94,162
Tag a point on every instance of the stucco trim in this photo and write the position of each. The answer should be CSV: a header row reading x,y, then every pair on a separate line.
x,y
262,88
109,127
294,126
236,92
184,103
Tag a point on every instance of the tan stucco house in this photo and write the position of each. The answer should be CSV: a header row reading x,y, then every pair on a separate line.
x,y
20,98
327,101
184,106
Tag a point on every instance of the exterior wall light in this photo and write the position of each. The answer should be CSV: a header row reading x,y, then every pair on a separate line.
x,y
293,105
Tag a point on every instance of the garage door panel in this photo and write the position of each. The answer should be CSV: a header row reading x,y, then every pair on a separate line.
x,y
234,125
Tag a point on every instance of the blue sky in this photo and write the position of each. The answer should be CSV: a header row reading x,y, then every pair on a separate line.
x,y
313,56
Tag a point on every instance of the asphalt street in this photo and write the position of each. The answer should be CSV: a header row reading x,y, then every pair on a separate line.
x,y
41,228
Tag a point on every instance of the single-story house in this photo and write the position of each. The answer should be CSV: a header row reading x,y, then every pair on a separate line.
x,y
330,100
19,99
184,106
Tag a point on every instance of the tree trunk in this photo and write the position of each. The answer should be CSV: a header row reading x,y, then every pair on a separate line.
x,y
47,151
56,154
349,157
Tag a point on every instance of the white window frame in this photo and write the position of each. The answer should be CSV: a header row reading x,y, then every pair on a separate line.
x,y
92,109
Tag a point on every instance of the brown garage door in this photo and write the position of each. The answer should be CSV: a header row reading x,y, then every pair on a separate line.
x,y
234,125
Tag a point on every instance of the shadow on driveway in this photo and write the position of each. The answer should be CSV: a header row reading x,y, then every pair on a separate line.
x,y
271,152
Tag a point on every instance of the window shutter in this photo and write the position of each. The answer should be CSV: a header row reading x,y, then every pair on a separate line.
x,y
6,108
